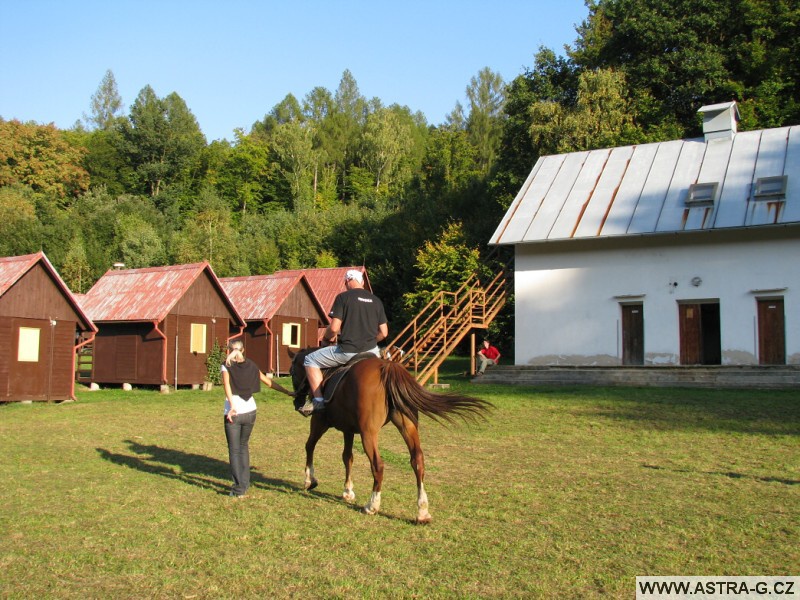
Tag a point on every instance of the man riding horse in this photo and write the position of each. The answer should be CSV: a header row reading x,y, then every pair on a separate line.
x,y
358,323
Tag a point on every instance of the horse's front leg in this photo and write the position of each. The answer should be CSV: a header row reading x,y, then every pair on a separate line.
x,y
318,429
410,434
370,442
348,494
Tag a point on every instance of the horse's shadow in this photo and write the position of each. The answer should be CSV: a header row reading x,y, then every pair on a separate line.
x,y
206,472
193,469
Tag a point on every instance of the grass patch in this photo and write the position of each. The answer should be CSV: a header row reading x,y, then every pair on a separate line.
x,y
562,492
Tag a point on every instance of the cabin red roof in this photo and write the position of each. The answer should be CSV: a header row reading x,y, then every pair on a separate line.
x,y
327,283
13,268
258,297
147,294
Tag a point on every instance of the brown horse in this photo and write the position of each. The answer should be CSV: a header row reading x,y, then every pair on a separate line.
x,y
372,393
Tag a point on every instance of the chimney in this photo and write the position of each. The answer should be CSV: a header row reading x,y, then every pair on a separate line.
x,y
719,121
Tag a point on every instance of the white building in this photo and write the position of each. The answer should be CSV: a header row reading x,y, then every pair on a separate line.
x,y
674,253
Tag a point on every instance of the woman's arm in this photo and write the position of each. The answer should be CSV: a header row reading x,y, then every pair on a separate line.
x,y
271,383
226,384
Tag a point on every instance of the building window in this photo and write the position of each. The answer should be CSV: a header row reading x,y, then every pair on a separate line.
x,y
702,193
28,350
770,188
291,335
197,343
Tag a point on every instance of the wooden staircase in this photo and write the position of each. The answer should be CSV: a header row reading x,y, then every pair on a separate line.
x,y
446,320
83,364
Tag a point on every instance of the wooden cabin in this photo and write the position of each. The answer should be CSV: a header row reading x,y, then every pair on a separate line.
x,y
40,325
157,326
282,314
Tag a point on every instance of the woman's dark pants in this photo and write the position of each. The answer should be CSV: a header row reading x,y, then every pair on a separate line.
x,y
238,436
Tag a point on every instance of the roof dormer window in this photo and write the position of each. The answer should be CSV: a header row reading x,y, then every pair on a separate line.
x,y
702,194
770,188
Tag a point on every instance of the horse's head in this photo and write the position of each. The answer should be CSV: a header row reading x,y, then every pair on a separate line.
x,y
299,380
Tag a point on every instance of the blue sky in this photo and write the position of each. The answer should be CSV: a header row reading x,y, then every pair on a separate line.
x,y
233,60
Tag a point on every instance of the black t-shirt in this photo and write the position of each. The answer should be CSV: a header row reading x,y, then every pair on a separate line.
x,y
244,378
361,313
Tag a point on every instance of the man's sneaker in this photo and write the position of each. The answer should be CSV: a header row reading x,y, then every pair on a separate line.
x,y
311,406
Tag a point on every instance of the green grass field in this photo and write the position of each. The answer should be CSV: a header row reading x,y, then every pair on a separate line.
x,y
567,493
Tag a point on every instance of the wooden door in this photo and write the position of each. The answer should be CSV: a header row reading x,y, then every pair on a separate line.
x,y
633,334
771,332
31,373
690,333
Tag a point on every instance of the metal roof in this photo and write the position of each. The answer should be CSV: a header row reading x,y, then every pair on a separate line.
x,y
327,283
643,189
147,294
13,268
258,297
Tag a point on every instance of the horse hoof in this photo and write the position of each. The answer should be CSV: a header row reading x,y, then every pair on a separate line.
x,y
369,511
310,485
424,520
349,498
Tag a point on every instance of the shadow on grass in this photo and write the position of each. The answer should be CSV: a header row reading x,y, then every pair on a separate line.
x,y
730,474
194,469
208,473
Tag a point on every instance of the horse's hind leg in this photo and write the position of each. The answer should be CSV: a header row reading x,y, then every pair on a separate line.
x,y
318,429
347,458
410,434
370,442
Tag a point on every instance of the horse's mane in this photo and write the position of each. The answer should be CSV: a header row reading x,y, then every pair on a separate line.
x,y
406,395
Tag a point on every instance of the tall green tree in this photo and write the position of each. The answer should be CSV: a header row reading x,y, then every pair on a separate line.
x,y
76,271
106,106
161,139
292,144
486,96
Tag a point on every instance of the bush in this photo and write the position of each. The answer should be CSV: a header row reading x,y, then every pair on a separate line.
x,y
214,361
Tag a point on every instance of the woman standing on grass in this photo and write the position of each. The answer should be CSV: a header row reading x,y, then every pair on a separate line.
x,y
241,378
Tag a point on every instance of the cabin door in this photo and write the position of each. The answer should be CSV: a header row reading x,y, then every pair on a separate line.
x,y
771,332
31,376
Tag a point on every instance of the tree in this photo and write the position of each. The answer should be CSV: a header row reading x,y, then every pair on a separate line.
x,y
208,234
20,229
387,140
442,265
106,104
139,242
602,117
76,271
680,55
161,139
246,172
486,96
39,156
292,144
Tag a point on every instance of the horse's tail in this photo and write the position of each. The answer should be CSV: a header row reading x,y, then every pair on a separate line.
x,y
406,395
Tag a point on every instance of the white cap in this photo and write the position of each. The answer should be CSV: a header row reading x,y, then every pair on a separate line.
x,y
354,274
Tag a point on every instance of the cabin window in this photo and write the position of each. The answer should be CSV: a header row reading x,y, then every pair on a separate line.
x,y
291,335
702,193
28,350
197,343
770,188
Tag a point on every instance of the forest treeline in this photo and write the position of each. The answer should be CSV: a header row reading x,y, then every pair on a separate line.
x,y
335,178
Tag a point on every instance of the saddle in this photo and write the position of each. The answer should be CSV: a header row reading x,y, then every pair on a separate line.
x,y
332,377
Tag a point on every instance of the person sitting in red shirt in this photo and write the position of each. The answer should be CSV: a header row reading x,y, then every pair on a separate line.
x,y
488,355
